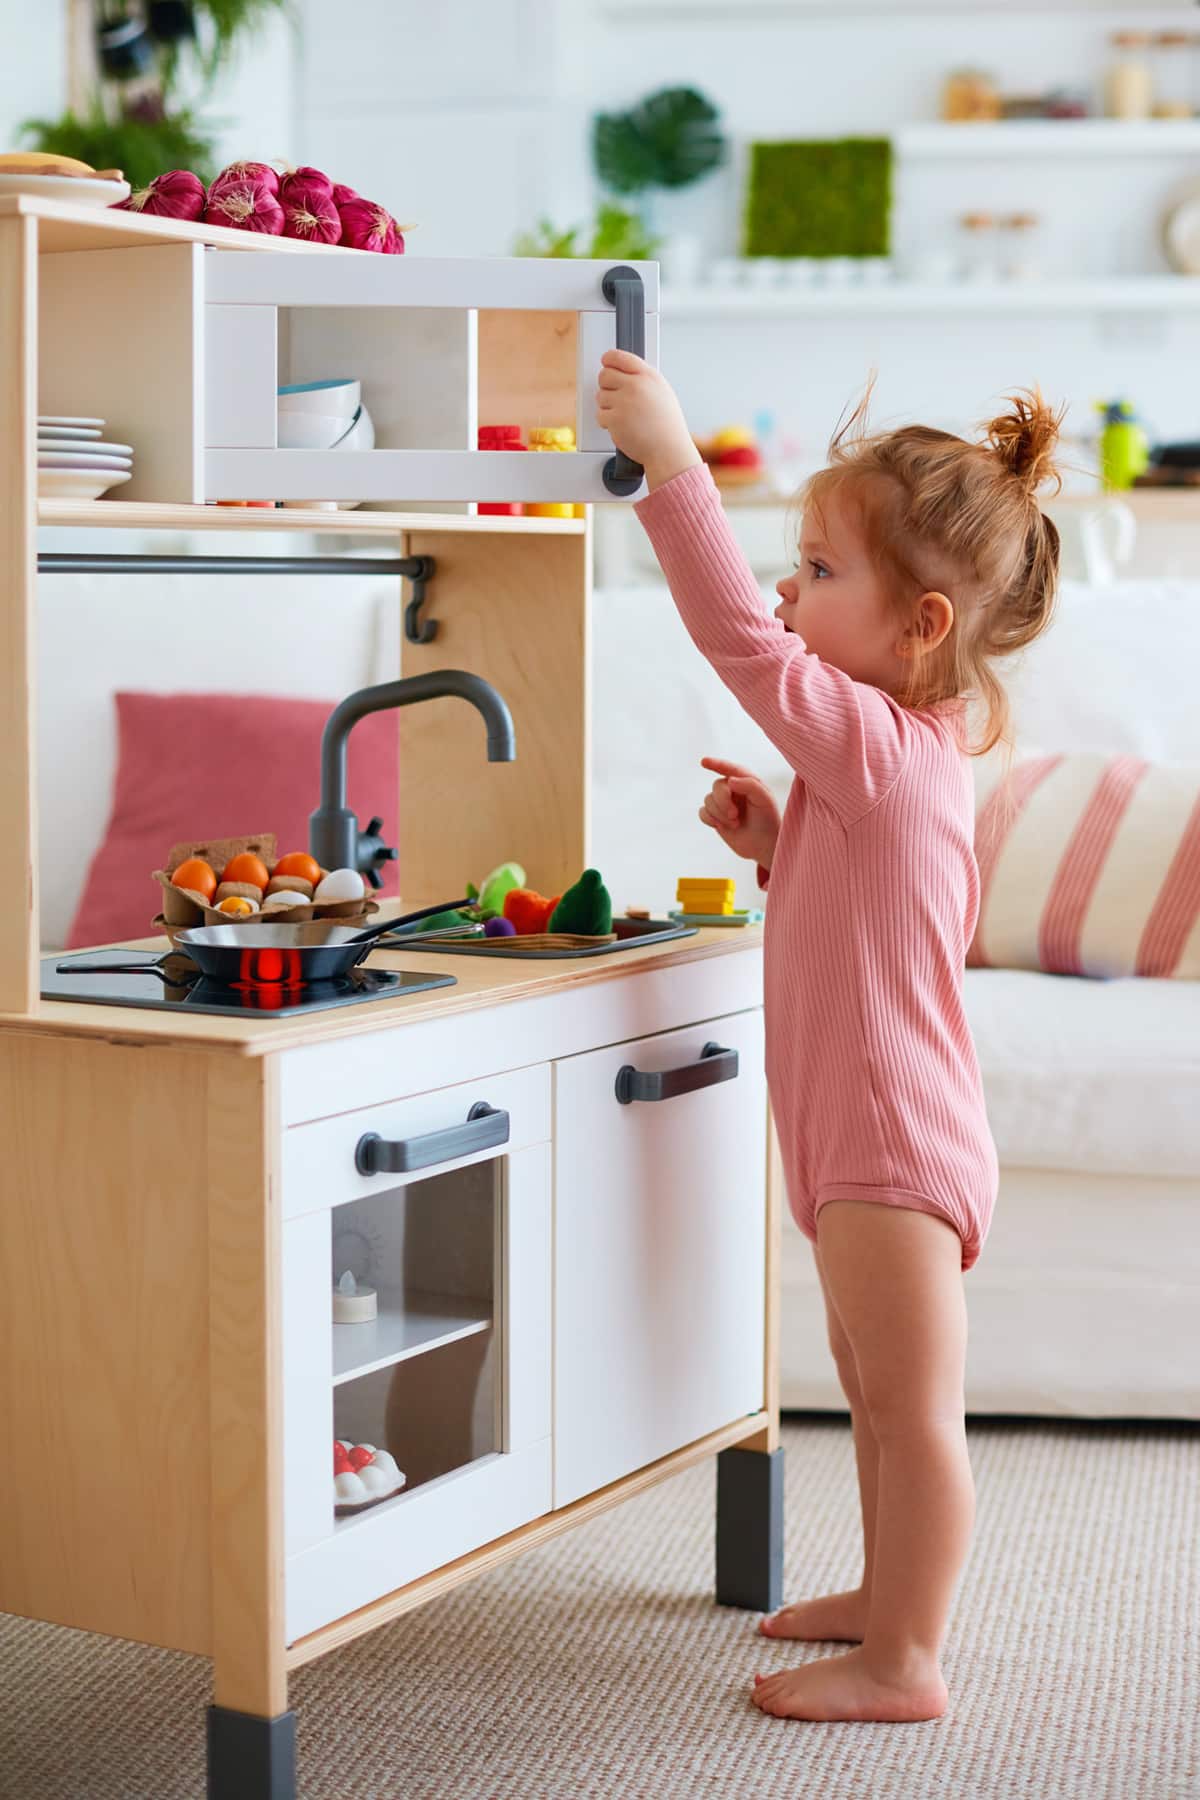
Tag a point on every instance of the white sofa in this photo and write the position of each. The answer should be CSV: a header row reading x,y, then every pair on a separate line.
x,y
1087,1298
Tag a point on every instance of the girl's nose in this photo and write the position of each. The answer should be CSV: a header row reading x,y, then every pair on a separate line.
x,y
784,590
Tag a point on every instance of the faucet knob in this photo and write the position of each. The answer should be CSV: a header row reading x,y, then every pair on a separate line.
x,y
372,851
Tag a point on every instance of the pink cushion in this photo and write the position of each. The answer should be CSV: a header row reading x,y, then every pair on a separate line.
x,y
219,765
1089,864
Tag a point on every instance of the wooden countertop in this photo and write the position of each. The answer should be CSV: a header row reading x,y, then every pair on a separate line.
x,y
481,981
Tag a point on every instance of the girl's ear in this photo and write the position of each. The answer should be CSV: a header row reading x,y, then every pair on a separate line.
x,y
930,625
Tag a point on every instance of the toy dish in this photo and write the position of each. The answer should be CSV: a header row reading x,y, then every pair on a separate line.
x,y
340,397
79,484
1181,233
77,189
68,419
748,916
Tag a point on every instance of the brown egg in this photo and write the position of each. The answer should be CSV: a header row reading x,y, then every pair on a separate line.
x,y
237,890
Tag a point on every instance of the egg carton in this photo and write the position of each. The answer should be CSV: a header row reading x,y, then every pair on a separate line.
x,y
183,908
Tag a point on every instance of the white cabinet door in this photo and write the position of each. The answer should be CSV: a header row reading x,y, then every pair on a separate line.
x,y
660,1246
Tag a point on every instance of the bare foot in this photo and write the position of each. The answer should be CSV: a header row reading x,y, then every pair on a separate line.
x,y
843,1687
833,1618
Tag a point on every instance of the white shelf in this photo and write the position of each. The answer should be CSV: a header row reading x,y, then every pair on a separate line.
x,y
1151,293
1035,137
406,1326
722,12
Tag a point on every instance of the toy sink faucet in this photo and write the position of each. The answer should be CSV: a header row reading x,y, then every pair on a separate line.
x,y
334,836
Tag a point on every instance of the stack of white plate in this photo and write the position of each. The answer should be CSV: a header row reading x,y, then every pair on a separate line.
x,y
74,461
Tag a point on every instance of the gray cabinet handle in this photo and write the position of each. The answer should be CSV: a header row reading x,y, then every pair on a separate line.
x,y
623,289
715,1064
485,1127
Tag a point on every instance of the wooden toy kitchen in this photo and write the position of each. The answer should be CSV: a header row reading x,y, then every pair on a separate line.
x,y
555,1176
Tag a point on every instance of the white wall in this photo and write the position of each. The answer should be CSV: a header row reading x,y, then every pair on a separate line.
x,y
472,120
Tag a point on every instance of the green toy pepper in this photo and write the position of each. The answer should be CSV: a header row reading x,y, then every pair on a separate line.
x,y
585,909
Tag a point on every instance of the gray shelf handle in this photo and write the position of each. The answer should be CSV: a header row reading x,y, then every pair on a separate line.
x,y
485,1127
715,1064
622,287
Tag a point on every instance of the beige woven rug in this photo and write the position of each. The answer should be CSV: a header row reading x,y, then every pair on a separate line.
x,y
598,1666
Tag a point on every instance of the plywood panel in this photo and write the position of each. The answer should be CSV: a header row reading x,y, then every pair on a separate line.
x,y
18,504
244,1272
515,611
121,338
104,1483
527,368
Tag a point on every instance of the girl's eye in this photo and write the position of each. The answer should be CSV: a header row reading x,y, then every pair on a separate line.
x,y
818,569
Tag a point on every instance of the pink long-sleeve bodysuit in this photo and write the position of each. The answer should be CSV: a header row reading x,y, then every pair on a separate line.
x,y
873,1077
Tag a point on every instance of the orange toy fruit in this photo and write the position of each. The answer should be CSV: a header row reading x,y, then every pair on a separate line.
x,y
528,911
237,906
299,862
248,868
196,874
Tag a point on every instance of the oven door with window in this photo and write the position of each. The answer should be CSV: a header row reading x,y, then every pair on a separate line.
x,y
440,1204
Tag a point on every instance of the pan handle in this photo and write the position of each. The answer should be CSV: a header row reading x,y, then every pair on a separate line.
x,y
425,912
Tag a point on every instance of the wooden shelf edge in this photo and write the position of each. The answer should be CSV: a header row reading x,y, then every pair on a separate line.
x,y
133,515
525,1537
128,230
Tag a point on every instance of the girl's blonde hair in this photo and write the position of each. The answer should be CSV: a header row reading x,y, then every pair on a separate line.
x,y
939,512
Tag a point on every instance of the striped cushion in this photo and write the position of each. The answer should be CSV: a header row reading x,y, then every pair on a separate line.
x,y
1089,864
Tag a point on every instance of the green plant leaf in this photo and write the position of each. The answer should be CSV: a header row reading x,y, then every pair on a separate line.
x,y
227,21
620,233
668,140
546,240
142,147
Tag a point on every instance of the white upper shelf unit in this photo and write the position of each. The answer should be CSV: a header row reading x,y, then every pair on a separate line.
x,y
1034,137
720,12
1161,293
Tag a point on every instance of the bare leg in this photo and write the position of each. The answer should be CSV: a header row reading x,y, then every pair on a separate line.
x,y
896,1280
843,1616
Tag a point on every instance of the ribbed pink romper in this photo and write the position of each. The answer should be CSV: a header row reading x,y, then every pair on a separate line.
x,y
873,1077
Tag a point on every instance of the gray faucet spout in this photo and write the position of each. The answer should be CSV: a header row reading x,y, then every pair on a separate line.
x,y
334,836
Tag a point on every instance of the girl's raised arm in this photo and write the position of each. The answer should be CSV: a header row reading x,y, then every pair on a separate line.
x,y
844,738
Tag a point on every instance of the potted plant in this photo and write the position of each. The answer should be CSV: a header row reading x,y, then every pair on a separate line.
x,y
667,142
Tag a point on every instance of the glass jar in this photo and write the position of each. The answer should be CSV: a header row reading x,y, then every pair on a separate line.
x,y
1019,235
1173,75
979,256
969,95
1129,87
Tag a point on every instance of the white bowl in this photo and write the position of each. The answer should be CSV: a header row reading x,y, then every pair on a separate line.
x,y
53,459
77,484
339,398
361,435
311,431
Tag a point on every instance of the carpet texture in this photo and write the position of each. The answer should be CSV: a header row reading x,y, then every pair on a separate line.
x,y
598,1666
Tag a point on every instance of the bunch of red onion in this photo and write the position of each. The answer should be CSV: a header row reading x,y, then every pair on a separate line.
x,y
251,196
178,194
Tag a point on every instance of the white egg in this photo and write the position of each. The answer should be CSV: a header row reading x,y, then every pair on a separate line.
x,y
281,901
341,884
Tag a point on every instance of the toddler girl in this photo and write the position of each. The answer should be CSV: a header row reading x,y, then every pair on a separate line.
x,y
923,559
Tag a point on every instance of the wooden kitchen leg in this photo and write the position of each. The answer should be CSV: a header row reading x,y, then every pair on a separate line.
x,y
251,1734
750,1476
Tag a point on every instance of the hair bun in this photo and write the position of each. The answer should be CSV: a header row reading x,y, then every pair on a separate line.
x,y
1025,439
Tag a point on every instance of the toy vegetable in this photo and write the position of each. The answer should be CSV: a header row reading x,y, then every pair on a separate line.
x,y
500,882
528,911
585,908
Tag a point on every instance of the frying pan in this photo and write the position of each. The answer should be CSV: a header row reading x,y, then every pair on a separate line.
x,y
280,955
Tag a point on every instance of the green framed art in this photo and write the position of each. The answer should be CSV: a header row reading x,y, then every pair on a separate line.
x,y
819,197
